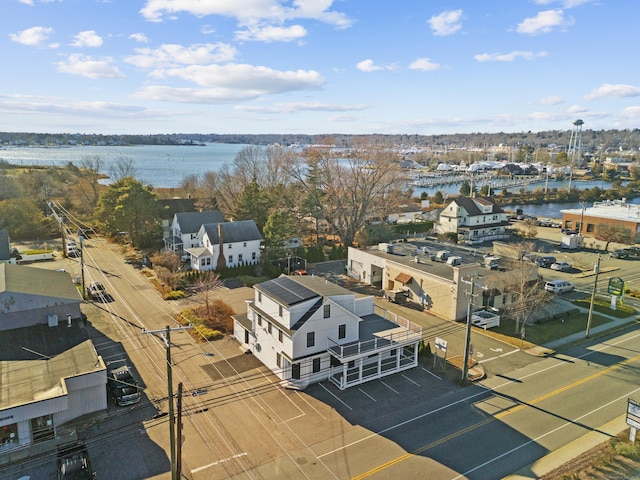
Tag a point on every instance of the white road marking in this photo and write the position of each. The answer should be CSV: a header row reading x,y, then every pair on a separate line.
x,y
204,467
415,383
389,387
367,394
334,396
499,356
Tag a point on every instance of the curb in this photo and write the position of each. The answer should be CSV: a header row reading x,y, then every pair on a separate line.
x,y
565,454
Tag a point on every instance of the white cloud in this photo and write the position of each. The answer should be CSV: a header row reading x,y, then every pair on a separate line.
x,y
424,64
256,80
170,55
139,37
248,10
194,95
551,100
88,67
508,57
613,91
34,36
446,23
630,112
26,2
544,22
577,109
368,66
272,34
88,38
292,107
564,3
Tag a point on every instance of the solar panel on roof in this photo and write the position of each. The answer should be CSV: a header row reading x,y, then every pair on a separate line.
x,y
287,291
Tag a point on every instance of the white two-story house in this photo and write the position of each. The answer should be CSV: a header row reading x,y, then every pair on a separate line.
x,y
473,218
185,227
226,244
306,329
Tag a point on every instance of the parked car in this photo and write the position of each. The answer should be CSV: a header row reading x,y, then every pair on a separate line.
x,y
96,291
473,242
546,261
620,253
634,251
123,386
560,266
559,286
73,462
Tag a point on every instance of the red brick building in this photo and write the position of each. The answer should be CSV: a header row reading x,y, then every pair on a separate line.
x,y
616,212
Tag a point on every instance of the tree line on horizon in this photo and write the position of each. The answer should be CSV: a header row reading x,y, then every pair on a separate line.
x,y
592,140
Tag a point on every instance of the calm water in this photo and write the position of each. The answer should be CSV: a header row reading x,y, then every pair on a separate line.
x,y
166,166
160,166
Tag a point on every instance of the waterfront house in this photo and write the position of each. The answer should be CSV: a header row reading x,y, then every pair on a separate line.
x,y
473,218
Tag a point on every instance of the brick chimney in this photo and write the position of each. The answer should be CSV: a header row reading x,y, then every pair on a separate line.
x,y
222,263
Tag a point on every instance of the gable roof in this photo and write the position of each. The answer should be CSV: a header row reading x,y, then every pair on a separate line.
x,y
190,222
233,232
5,249
471,205
38,282
170,206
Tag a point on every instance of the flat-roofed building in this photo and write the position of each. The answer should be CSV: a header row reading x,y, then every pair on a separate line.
x,y
608,212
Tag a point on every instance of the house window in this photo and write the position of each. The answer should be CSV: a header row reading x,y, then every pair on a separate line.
x,y
244,244
230,259
279,360
280,335
253,255
327,311
342,331
316,365
229,247
208,261
239,258
590,227
260,320
270,328
280,310
311,339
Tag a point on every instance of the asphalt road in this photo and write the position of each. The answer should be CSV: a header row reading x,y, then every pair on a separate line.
x,y
239,423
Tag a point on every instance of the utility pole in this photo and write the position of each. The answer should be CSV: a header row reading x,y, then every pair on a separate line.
x,y
593,297
179,435
84,295
166,335
467,340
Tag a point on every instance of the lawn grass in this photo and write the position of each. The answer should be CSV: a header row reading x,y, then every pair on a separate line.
x,y
542,333
603,305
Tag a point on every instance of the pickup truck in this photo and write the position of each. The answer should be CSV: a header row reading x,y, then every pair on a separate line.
x,y
123,386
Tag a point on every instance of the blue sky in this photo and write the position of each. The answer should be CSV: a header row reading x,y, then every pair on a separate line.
x,y
318,66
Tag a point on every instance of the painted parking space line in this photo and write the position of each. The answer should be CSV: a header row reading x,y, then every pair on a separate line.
x,y
431,373
390,387
204,467
367,394
412,381
334,396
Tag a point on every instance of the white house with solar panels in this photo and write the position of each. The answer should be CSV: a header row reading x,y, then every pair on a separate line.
x,y
306,329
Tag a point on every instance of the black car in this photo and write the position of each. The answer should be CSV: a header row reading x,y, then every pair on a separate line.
x,y
73,462
546,261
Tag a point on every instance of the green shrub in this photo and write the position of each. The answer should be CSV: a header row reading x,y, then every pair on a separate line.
x,y
175,295
207,333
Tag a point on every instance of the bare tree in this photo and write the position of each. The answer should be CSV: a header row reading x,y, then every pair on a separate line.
x,y
204,285
356,188
122,168
529,228
614,233
522,283
91,168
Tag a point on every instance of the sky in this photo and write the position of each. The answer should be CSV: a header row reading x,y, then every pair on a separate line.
x,y
423,67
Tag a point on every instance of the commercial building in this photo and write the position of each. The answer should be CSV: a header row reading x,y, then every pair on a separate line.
x,y
609,212
31,296
306,329
423,273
